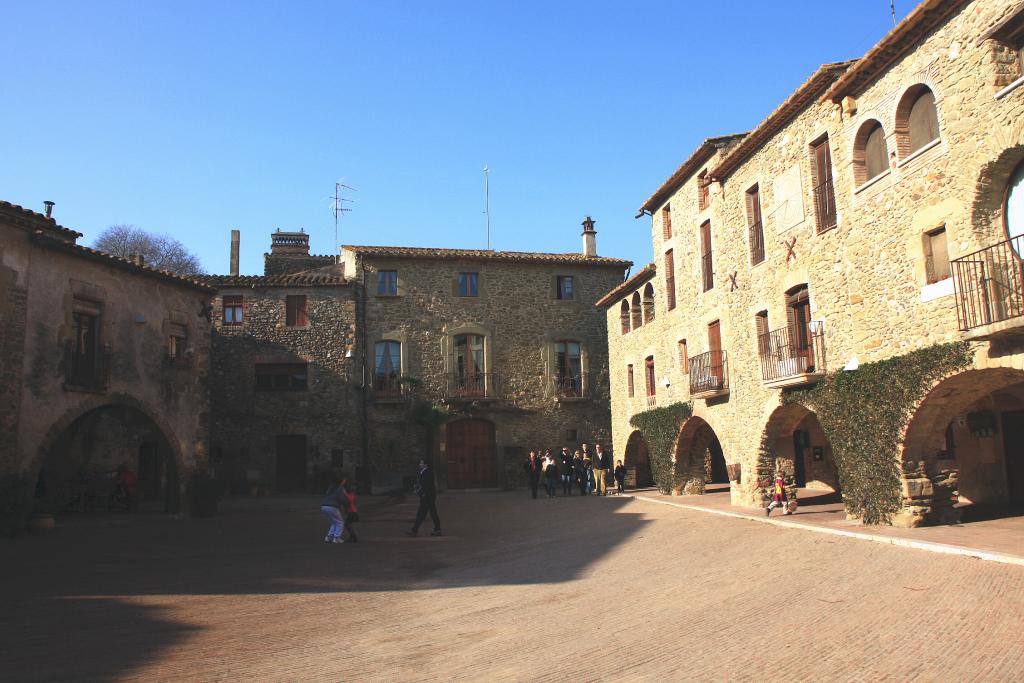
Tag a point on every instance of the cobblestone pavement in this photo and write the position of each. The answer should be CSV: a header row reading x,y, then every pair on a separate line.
x,y
517,589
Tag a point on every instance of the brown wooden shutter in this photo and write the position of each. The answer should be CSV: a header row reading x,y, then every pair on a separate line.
x,y
929,260
629,379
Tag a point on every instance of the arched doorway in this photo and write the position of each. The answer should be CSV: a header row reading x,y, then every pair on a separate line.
x,y
963,450
79,463
638,459
700,461
470,454
798,445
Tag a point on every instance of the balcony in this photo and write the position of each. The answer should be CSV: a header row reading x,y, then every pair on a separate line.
x,y
571,387
650,401
709,375
473,386
791,357
755,234
988,286
392,388
825,205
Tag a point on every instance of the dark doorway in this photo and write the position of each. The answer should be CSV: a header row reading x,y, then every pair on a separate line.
x,y
801,440
719,472
469,450
1013,452
638,458
152,479
291,463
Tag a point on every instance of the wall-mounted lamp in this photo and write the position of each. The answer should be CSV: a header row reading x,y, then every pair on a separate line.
x,y
666,382
816,326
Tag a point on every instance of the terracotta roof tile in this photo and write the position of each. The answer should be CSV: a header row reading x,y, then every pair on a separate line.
x,y
36,220
300,279
704,152
485,255
645,274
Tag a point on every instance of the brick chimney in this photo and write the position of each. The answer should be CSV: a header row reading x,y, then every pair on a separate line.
x,y
589,237
236,238
291,243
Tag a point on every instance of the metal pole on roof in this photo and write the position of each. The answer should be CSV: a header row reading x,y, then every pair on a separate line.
x,y
487,202
892,8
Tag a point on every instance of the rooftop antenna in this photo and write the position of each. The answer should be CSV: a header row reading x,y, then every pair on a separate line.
x,y
338,208
892,8
487,203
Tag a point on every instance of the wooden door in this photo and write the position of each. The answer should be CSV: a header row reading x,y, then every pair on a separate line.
x,y
469,448
799,318
1013,452
291,463
150,472
715,347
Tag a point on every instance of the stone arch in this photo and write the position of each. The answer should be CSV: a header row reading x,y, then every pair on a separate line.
x,y
868,164
64,429
648,303
954,448
624,316
916,122
796,442
698,457
636,310
990,189
638,459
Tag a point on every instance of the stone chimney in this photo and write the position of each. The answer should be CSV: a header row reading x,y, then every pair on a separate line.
x,y
291,243
236,238
589,237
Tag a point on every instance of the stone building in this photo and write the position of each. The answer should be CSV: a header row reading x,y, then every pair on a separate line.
x,y
875,213
499,351
104,362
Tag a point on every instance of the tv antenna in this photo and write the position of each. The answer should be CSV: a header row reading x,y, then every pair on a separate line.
x,y
487,203
338,207
892,8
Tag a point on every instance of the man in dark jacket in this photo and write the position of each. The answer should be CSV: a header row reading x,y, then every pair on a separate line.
x,y
602,463
428,500
533,468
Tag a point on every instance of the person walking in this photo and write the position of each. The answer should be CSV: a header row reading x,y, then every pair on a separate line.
x,y
602,464
566,471
551,475
778,494
352,516
533,468
620,477
580,472
334,502
588,466
427,491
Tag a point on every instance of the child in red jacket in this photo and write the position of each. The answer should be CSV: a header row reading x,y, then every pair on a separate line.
x,y
778,495
353,515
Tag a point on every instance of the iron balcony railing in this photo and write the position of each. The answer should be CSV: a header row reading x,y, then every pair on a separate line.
x,y
473,385
788,352
652,401
825,205
391,387
988,284
756,243
571,386
709,372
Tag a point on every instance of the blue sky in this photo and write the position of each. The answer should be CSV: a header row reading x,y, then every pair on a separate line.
x,y
192,118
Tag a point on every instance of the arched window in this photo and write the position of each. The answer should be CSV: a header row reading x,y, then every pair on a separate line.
x,y
648,303
870,153
637,311
624,315
387,367
917,120
1014,210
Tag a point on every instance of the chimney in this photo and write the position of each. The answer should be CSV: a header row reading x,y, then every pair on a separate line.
x,y
589,237
236,238
48,208
294,243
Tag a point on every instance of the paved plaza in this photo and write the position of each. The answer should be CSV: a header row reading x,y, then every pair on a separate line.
x,y
517,589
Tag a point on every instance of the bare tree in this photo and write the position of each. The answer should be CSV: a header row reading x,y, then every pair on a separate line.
x,y
159,251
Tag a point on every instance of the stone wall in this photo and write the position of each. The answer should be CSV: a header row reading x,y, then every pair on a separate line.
x,y
866,277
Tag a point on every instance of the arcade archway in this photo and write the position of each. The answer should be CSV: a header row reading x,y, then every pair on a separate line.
x,y
801,449
638,460
700,461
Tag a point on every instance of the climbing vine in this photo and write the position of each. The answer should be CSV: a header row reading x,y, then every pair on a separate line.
x,y
660,428
864,413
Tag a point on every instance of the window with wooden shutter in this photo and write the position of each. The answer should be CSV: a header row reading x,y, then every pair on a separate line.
x,y
666,222
761,329
703,191
936,256
824,190
670,281
295,310
707,273
649,374
755,231
629,379
684,357
624,316
798,318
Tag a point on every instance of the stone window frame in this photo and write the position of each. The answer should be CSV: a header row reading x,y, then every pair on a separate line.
x,y
399,336
178,322
87,298
823,136
901,120
399,289
457,287
557,287
448,346
858,161
223,309
930,276
551,339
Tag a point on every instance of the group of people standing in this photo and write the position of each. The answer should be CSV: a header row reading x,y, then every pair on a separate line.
x,y
589,472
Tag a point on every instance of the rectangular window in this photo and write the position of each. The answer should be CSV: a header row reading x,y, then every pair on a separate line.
x,y
824,191
629,380
761,330
716,359
295,310
469,284
232,309
650,376
684,357
936,256
755,231
563,287
707,273
670,281
387,283
703,191
666,222
176,342
84,362
281,376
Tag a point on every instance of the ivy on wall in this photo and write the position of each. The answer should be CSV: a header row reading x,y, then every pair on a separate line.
x,y
660,428
864,413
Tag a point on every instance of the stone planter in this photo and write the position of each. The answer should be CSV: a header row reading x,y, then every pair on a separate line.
x,y
41,523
